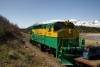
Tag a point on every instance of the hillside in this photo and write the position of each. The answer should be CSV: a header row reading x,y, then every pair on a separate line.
x,y
13,52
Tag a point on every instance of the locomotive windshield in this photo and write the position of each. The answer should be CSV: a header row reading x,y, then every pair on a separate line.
x,y
70,26
61,25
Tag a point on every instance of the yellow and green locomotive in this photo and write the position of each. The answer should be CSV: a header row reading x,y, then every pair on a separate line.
x,y
60,38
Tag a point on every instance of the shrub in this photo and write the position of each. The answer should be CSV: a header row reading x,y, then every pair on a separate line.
x,y
8,30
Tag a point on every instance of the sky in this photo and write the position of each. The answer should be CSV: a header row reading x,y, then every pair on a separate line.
x,y
27,12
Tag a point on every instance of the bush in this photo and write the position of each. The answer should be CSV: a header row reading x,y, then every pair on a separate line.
x,y
8,30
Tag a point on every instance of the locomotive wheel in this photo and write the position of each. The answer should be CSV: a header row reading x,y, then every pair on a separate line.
x,y
33,42
43,48
52,51
49,50
30,41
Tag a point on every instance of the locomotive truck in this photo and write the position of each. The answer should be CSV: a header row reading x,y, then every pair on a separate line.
x,y
60,38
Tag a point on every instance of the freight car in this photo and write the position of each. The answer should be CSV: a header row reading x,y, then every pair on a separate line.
x,y
60,38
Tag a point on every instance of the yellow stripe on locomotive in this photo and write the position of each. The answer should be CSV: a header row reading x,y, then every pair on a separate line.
x,y
59,29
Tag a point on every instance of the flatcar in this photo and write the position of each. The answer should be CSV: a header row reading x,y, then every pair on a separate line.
x,y
60,38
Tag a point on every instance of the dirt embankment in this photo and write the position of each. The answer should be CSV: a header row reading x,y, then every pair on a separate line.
x,y
90,41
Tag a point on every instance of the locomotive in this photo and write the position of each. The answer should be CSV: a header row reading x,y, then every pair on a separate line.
x,y
60,38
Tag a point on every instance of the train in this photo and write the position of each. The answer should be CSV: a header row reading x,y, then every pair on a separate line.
x,y
60,38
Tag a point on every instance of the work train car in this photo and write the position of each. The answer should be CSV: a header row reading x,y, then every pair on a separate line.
x,y
60,38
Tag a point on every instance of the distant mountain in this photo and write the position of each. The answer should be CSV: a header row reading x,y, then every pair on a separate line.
x,y
21,27
92,23
46,22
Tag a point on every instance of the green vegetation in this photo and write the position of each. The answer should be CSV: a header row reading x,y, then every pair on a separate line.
x,y
84,29
12,52
8,30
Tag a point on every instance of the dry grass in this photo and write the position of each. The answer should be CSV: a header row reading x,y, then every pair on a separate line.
x,y
14,54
